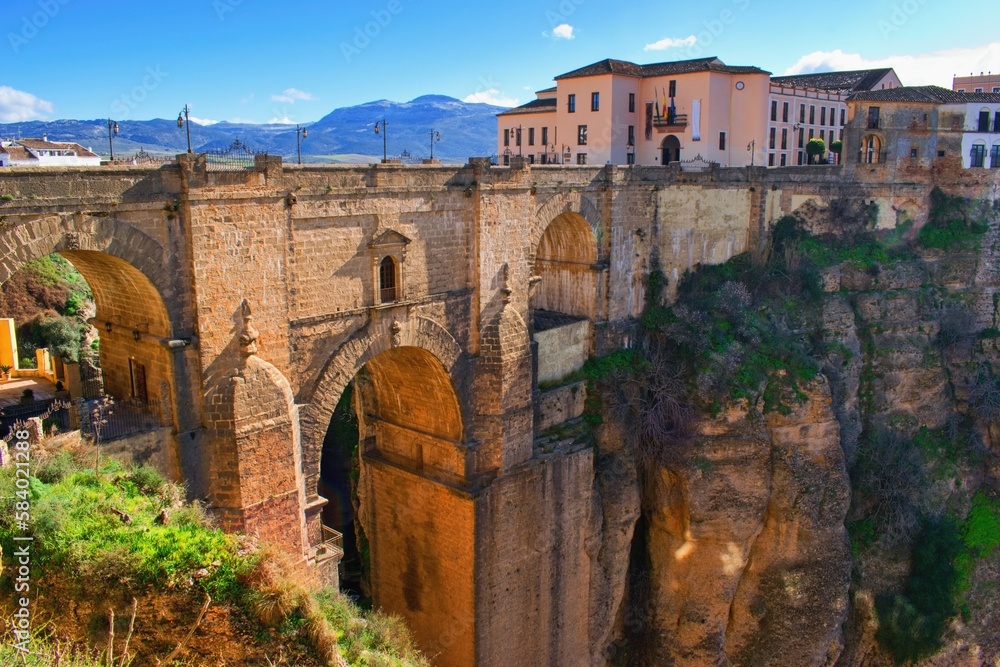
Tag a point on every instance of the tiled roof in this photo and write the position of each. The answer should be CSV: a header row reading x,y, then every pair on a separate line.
x,y
41,144
17,153
534,106
625,68
853,80
925,95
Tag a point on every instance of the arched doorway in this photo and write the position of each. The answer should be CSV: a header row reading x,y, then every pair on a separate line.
x,y
671,149
391,467
871,149
129,316
565,300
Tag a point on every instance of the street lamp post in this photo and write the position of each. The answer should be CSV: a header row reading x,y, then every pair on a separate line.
x,y
112,131
385,144
435,136
300,134
184,118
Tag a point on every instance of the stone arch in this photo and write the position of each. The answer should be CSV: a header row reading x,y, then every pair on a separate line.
x,y
125,269
344,364
871,149
571,202
60,234
670,150
565,260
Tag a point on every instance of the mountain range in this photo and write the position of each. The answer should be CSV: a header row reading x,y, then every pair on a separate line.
x,y
344,135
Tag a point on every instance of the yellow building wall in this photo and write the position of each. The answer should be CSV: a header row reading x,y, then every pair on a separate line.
x,y
8,343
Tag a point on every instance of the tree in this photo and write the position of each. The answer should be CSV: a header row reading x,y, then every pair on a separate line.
x,y
814,147
837,147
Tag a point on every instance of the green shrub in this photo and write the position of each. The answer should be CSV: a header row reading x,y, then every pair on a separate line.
x,y
911,625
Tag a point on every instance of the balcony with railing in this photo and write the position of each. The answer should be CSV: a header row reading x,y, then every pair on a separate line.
x,y
332,546
670,120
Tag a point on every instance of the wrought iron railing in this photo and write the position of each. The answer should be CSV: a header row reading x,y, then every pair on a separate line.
x,y
142,158
12,414
236,157
332,545
120,419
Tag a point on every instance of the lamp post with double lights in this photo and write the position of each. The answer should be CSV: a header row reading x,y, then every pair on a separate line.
x,y
184,118
435,136
300,134
112,131
385,143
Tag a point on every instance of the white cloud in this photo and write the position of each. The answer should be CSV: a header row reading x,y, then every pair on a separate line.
x,y
491,96
203,121
935,68
291,96
285,120
242,121
17,105
671,43
561,31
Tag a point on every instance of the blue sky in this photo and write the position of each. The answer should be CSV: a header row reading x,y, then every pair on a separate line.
x,y
294,61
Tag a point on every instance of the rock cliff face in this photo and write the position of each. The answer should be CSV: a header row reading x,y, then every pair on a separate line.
x,y
738,553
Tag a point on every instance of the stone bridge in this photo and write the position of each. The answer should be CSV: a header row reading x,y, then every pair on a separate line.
x,y
285,317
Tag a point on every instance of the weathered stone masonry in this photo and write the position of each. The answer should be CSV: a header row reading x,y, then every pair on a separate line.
x,y
486,544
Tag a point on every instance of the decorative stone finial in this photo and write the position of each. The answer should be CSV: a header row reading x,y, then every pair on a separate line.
x,y
505,290
248,339
395,330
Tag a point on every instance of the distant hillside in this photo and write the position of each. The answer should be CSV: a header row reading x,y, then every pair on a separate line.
x,y
345,134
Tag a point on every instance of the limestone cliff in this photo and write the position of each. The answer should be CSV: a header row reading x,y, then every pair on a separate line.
x,y
794,536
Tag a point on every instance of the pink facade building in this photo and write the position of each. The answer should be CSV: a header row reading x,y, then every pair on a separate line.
x,y
618,112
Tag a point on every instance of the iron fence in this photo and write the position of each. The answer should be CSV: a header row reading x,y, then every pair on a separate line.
x,y
142,158
236,157
119,419
12,414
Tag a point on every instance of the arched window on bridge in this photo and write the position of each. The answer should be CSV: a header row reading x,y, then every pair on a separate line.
x,y
387,281
388,253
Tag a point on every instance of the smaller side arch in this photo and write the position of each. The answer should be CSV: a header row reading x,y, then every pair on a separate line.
x,y
344,364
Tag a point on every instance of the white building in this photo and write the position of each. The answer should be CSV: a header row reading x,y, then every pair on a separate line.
x,y
981,134
45,153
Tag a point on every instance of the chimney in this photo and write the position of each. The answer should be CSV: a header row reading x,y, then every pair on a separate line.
x,y
45,137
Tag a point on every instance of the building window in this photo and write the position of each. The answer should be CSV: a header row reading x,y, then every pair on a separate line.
x,y
841,137
571,104
784,112
822,115
784,159
581,135
631,102
774,109
770,159
996,122
978,155
873,118
506,137
387,280
630,158
631,135
995,156
581,158
770,143
784,138
673,88
531,136
811,133
545,136
802,113
996,89
914,153
960,90
984,121
812,114
978,90
595,101
722,141
822,135
871,149
843,116
802,137
801,158
531,158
